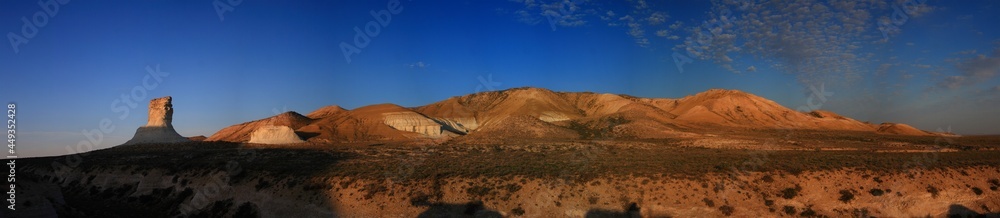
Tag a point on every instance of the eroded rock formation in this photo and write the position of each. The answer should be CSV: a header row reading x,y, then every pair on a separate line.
x,y
158,128
275,135
413,122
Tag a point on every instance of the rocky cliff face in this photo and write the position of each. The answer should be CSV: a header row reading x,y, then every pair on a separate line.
x,y
158,128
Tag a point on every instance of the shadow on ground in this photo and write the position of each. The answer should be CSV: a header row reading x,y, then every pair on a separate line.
x,y
79,191
959,211
630,211
471,209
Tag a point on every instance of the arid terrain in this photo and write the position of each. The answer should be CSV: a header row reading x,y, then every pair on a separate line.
x,y
531,152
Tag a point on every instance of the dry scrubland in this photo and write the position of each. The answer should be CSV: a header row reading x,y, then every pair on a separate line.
x,y
530,152
800,175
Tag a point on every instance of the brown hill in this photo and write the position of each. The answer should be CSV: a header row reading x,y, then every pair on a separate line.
x,y
197,138
535,113
475,110
327,111
523,127
372,123
901,129
241,132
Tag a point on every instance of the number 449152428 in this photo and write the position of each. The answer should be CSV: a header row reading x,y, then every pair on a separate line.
x,y
10,124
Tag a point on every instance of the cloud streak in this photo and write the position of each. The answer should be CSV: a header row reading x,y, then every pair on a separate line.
x,y
818,41
974,70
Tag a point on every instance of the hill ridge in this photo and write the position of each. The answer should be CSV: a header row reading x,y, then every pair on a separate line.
x,y
559,114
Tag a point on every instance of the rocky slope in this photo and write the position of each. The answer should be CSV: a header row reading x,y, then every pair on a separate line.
x,y
241,132
274,135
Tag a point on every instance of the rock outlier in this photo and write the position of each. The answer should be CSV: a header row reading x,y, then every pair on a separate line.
x,y
158,128
275,135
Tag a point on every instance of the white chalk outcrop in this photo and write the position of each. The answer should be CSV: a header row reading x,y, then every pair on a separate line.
x,y
158,128
412,122
275,135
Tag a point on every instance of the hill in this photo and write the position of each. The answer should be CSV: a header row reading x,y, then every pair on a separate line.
x,y
536,113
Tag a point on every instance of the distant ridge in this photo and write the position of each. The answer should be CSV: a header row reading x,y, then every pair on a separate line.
x,y
537,113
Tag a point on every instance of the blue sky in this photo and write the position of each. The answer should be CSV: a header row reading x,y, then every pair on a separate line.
x,y
935,69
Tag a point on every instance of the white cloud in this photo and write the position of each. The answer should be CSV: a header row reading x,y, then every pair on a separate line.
x,y
639,20
813,39
419,65
567,13
662,33
657,18
636,32
676,25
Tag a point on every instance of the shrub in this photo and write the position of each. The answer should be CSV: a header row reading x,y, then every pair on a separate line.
x,y
790,193
977,190
767,179
933,190
808,212
517,211
708,202
726,210
846,196
790,210
876,192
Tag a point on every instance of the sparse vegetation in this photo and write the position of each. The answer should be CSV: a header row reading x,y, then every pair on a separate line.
x,y
478,190
790,193
592,200
513,166
933,190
